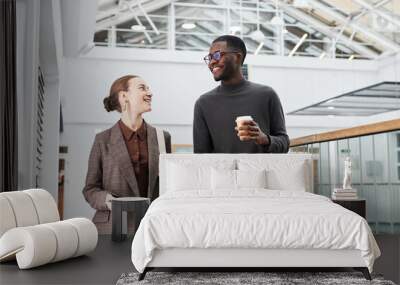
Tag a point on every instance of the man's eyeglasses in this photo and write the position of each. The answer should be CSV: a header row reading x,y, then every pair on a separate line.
x,y
216,56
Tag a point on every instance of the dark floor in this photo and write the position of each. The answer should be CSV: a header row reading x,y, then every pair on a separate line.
x,y
110,260
389,262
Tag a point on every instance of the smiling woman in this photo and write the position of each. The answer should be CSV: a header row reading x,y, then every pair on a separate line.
x,y
123,161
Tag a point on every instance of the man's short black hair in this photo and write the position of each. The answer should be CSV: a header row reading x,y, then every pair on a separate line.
x,y
234,43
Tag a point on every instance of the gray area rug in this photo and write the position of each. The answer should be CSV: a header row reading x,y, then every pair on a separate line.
x,y
243,278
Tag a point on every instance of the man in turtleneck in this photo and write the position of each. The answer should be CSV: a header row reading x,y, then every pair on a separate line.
x,y
214,126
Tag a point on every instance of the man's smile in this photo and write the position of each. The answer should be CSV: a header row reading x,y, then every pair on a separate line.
x,y
216,69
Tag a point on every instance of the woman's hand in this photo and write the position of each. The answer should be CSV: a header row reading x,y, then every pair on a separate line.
x,y
109,198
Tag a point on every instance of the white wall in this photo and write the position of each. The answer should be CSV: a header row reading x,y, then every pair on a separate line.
x,y
78,23
28,15
51,140
87,82
177,80
389,68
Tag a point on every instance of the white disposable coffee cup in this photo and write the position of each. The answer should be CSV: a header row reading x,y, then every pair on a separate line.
x,y
241,119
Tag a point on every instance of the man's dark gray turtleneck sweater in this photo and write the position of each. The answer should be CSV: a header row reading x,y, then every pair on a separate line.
x,y
215,113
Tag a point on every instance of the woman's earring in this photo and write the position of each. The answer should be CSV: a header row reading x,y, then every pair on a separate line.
x,y
125,106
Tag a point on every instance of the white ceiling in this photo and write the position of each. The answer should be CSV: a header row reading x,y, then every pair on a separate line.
x,y
359,29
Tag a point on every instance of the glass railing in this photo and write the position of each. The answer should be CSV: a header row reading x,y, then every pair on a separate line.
x,y
375,169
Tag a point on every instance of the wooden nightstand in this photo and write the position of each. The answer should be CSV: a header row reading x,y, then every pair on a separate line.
x,y
358,206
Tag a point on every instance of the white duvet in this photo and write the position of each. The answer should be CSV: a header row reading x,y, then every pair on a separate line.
x,y
250,219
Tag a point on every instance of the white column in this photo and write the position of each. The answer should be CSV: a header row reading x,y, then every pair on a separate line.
x,y
28,21
112,37
171,26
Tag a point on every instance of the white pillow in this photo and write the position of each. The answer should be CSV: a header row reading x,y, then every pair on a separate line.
x,y
282,174
183,177
193,175
223,179
226,179
251,178
292,180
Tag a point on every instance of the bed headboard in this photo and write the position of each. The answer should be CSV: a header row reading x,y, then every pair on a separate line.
x,y
165,159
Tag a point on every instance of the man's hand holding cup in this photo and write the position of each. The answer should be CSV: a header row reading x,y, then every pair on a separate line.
x,y
248,130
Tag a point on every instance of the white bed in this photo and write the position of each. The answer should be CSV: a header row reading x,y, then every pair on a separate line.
x,y
210,214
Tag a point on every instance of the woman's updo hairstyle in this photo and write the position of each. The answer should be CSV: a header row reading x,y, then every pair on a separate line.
x,y
111,102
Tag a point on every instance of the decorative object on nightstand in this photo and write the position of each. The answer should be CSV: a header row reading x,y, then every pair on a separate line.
x,y
358,206
138,205
347,192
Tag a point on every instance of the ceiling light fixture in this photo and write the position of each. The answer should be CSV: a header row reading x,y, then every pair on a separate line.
x,y
138,28
323,54
301,3
188,26
235,29
277,21
331,108
351,57
303,38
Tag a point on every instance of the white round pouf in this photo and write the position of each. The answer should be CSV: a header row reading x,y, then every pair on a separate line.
x,y
87,233
67,240
46,207
33,246
7,218
23,208
41,244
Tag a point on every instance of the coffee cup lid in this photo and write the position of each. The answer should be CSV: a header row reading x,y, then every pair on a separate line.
x,y
244,118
